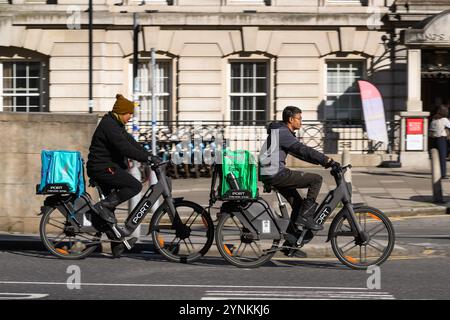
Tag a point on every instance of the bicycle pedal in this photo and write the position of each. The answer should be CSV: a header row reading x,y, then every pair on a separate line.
x,y
116,232
127,245
300,239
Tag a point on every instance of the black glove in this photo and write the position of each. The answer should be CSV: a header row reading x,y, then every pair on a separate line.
x,y
332,164
154,159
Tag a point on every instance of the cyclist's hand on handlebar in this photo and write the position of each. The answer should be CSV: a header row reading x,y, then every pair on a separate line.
x,y
333,164
336,166
154,159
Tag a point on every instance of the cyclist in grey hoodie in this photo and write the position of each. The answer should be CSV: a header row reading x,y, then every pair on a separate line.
x,y
281,142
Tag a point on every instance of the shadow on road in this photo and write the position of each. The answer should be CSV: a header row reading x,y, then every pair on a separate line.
x,y
220,262
32,254
314,264
49,256
208,261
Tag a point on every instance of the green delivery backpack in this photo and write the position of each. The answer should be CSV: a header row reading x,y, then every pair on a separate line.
x,y
239,173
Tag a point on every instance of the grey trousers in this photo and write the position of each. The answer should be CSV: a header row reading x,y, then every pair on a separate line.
x,y
287,182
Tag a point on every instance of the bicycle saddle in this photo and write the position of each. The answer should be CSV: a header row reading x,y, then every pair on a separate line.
x,y
268,188
93,183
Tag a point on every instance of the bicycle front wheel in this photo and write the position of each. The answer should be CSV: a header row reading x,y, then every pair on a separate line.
x,y
358,254
238,245
188,242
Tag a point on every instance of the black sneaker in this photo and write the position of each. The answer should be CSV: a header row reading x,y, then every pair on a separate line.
x,y
292,252
105,213
309,223
117,248
306,216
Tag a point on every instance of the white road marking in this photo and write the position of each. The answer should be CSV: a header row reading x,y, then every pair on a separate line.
x,y
145,285
21,296
297,295
248,292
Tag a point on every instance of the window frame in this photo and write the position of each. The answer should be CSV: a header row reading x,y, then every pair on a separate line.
x,y
363,63
168,116
42,92
230,94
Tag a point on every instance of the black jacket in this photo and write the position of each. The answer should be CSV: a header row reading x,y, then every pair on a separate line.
x,y
111,145
273,158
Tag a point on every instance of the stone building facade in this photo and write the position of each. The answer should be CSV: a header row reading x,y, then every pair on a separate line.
x,y
240,61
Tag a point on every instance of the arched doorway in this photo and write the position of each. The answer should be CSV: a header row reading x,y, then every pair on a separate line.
x,y
435,78
432,37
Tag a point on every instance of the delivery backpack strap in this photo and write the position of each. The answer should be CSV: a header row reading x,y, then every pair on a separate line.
x,y
81,187
216,175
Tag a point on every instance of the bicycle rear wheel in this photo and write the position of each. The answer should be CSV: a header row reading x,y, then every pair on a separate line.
x,y
238,246
186,245
63,238
353,252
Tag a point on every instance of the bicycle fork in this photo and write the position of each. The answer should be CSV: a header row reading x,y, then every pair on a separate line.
x,y
354,223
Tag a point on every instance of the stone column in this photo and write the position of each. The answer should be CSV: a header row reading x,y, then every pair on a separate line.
x,y
414,103
414,158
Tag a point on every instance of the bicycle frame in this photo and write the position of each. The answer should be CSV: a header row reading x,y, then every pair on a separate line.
x,y
341,194
153,193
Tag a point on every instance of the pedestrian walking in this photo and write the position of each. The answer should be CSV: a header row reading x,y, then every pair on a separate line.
x,y
438,133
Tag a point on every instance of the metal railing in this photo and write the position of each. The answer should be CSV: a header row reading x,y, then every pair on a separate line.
x,y
326,136
193,144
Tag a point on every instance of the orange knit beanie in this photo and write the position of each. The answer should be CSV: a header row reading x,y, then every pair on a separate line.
x,y
123,105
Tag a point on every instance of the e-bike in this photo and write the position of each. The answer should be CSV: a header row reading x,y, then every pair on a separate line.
x,y
248,233
181,230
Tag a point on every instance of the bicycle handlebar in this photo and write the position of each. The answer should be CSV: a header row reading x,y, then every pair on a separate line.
x,y
339,170
159,164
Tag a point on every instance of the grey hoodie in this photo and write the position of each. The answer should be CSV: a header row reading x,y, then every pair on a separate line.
x,y
281,142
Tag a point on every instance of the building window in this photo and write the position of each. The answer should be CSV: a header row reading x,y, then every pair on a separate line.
x,y
343,99
163,91
21,86
249,93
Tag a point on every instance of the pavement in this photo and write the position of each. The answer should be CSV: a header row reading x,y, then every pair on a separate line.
x,y
399,193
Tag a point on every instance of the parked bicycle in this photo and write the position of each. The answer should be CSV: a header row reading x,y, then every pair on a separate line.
x,y
190,147
248,233
181,230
